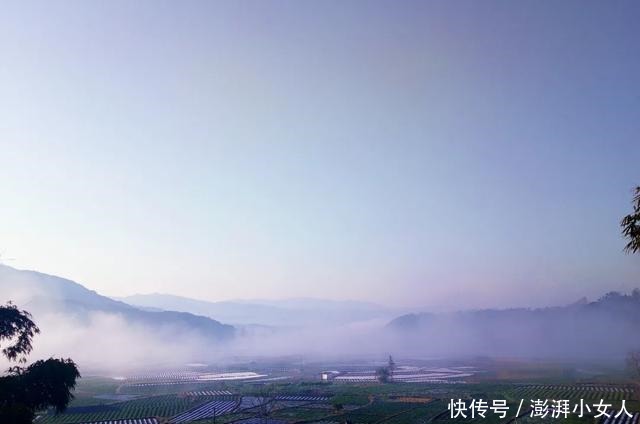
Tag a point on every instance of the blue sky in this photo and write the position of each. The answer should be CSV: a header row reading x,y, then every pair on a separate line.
x,y
438,154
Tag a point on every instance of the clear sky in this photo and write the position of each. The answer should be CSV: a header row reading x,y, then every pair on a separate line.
x,y
436,153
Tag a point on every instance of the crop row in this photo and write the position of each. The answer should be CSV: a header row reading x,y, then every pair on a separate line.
x,y
302,398
157,406
209,393
573,392
215,408
134,421
622,418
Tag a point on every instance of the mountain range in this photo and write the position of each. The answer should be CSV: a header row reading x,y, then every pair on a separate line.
x,y
301,312
42,293
175,328
605,328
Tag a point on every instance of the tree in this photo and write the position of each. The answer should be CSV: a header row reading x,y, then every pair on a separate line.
x,y
383,374
631,226
391,365
631,231
43,384
16,326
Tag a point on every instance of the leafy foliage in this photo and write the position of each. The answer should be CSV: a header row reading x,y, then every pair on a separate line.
x,y
42,384
383,374
16,326
391,364
631,226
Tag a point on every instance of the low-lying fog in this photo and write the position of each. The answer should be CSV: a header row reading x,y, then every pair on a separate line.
x,y
103,335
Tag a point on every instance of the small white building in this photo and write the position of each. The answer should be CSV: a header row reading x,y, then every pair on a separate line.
x,y
329,375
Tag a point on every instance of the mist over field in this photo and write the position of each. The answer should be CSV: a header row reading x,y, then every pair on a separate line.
x,y
319,211
302,177
105,335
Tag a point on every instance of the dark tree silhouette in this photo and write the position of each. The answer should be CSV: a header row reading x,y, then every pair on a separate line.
x,y
391,365
631,225
41,385
16,326
631,231
383,374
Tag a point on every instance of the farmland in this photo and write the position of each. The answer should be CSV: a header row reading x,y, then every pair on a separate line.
x,y
419,393
207,410
410,374
576,391
132,421
153,406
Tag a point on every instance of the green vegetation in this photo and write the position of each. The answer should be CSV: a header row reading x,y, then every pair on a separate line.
x,y
573,392
156,406
631,226
372,402
43,384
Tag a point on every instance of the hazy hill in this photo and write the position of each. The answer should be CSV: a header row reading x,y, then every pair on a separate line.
x,y
40,293
66,310
287,312
608,328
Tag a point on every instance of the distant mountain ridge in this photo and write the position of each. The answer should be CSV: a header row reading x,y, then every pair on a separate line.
x,y
173,329
286,312
313,303
42,293
607,327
